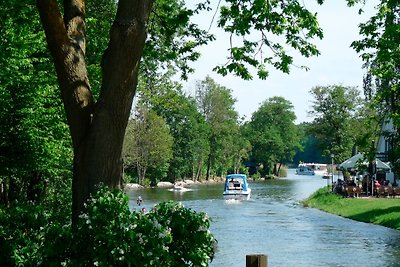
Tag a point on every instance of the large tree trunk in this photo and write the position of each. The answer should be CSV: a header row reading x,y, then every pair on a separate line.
x,y
97,130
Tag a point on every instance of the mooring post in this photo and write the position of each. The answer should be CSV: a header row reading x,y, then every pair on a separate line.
x,y
257,260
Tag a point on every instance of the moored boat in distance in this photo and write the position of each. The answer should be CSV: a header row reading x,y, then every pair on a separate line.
x,y
236,187
327,175
304,170
311,169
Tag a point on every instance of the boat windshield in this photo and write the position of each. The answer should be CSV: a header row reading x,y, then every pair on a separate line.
x,y
235,184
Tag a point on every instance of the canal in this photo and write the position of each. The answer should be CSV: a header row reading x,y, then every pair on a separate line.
x,y
273,222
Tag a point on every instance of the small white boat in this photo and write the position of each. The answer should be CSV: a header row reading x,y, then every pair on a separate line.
x,y
179,188
236,187
326,175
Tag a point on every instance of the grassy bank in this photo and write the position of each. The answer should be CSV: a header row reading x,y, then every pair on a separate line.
x,y
382,211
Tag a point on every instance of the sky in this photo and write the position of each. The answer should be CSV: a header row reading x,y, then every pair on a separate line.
x,y
337,64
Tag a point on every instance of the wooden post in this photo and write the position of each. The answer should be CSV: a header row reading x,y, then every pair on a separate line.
x,y
257,260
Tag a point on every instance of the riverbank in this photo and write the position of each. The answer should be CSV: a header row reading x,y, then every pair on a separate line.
x,y
381,211
184,183
188,183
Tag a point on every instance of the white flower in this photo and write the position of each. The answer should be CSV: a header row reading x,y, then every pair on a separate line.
x,y
156,224
83,216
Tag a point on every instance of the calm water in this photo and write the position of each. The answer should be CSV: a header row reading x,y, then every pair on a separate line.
x,y
273,222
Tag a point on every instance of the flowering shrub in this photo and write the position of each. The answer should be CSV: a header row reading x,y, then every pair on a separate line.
x,y
109,234
21,234
192,243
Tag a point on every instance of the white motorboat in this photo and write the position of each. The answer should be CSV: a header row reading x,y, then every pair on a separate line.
x,y
303,169
318,168
179,188
236,187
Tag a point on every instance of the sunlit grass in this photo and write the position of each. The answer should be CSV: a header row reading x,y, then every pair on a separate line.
x,y
382,211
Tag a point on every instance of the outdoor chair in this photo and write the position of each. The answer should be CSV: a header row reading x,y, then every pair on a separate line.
x,y
357,191
380,191
396,191
388,191
350,190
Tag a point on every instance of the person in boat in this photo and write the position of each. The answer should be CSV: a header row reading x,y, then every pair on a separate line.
x,y
139,200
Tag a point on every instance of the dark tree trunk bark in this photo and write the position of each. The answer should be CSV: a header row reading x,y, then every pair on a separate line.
x,y
36,187
211,157
3,193
208,167
97,130
274,171
199,167
279,169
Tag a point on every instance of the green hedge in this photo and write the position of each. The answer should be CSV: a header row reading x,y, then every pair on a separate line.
x,y
106,234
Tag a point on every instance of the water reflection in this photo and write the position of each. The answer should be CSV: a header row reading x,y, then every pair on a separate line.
x,y
273,222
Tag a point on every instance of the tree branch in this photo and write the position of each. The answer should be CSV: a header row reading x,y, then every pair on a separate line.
x,y
52,22
66,43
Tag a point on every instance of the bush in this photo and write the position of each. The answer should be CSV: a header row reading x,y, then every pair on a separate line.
x,y
256,176
282,172
21,234
192,243
109,234
106,234
129,178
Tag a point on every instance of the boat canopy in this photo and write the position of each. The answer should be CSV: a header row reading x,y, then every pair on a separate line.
x,y
236,178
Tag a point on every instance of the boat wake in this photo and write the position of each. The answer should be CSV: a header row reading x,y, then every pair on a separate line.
x,y
180,189
233,201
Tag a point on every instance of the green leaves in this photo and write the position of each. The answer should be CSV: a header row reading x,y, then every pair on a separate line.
x,y
216,104
109,234
186,124
336,111
173,38
273,134
192,243
33,133
148,145
267,30
379,49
